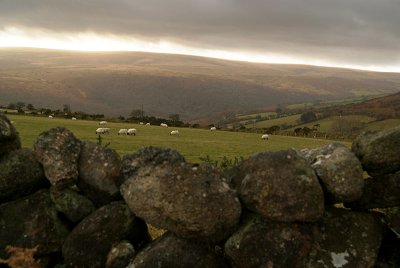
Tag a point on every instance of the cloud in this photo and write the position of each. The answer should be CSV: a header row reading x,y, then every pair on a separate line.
x,y
358,32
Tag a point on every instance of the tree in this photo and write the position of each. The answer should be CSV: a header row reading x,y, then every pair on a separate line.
x,y
30,107
308,117
20,105
174,117
66,109
137,113
12,106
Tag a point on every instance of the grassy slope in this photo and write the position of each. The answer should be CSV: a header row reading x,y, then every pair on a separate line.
x,y
192,143
115,83
289,120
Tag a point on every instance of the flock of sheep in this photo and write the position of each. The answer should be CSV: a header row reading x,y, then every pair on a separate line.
x,y
133,131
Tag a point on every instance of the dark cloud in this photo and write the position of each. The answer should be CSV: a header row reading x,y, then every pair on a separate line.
x,y
358,32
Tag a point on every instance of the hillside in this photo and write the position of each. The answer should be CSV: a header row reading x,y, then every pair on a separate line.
x,y
194,87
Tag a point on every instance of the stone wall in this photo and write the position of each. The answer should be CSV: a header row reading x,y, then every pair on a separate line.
x,y
77,204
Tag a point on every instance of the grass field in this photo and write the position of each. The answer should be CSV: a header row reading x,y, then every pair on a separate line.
x,y
192,143
327,124
289,120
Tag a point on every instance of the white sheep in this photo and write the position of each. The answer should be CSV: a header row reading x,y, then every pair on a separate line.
x,y
174,132
102,130
103,123
163,125
132,131
141,123
73,118
147,124
50,116
123,131
213,129
265,137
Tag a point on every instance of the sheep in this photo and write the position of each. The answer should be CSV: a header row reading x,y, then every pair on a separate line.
x,y
123,131
141,123
213,129
147,124
265,137
163,125
174,132
73,118
50,116
132,131
103,123
102,130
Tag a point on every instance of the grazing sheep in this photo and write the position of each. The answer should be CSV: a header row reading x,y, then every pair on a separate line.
x,y
141,123
163,125
73,118
132,131
147,124
50,116
265,137
123,131
102,130
213,129
103,123
174,132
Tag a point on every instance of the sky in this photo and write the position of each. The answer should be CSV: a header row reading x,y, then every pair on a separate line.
x,y
362,34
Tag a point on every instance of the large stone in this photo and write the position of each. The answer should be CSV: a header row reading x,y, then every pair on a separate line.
x,y
380,192
349,239
9,139
171,251
99,173
259,243
148,156
280,186
32,221
339,170
191,202
389,253
58,151
379,151
120,255
20,174
91,240
71,204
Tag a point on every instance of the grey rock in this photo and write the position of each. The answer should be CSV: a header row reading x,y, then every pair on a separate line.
x,y
379,151
58,151
9,139
339,170
379,192
259,243
120,255
91,240
349,239
32,221
191,202
171,251
71,204
99,173
20,174
280,186
148,156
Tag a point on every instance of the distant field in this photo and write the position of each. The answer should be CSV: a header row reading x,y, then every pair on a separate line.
x,y
328,124
384,124
243,116
289,120
192,143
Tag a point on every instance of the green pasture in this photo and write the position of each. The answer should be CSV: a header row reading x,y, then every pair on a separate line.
x,y
288,120
192,143
329,124
383,124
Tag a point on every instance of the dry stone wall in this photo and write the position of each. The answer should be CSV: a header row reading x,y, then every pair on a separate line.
x,y
80,205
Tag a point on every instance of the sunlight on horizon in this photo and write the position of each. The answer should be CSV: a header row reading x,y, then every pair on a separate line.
x,y
13,37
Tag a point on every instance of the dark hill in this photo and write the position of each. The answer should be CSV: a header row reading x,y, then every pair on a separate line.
x,y
194,87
